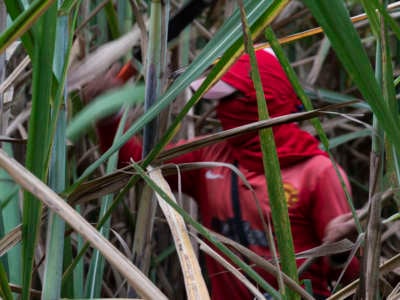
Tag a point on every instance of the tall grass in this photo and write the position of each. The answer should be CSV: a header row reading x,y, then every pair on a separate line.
x,y
59,143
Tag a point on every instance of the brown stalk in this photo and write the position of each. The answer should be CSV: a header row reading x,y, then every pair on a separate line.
x,y
194,281
115,181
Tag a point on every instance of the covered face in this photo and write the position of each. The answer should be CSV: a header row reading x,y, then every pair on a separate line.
x,y
242,108
238,106
279,94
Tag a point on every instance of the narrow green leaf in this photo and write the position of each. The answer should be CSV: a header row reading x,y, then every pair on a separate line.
x,y
315,122
155,80
125,16
377,6
333,97
273,176
11,217
57,174
23,23
94,278
154,67
67,6
396,81
345,138
391,156
260,12
334,19
104,106
206,234
112,20
60,68
4,286
68,289
79,272
15,8
36,160
371,12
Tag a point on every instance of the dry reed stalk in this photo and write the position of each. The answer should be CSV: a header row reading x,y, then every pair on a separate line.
x,y
195,286
33,185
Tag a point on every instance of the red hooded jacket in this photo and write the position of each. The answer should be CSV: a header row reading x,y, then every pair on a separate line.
x,y
313,191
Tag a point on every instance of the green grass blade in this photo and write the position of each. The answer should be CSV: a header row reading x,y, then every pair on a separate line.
x,y
154,67
112,20
11,217
94,277
384,74
260,12
124,13
333,97
96,270
67,6
276,193
5,290
374,5
389,92
155,80
103,106
334,19
36,160
78,279
23,23
68,289
370,10
57,175
315,122
14,9
345,138
205,233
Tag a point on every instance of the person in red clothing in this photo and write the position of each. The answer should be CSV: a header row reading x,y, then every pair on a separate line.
x,y
314,195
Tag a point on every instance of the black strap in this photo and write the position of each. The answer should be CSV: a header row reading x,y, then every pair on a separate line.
x,y
237,214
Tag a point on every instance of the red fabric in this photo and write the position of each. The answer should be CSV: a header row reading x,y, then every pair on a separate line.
x,y
292,143
314,196
313,191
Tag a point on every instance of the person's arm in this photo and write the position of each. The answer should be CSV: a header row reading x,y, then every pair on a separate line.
x,y
329,200
107,127
330,211
132,150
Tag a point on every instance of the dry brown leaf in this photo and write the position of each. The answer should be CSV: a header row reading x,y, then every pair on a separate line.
x,y
115,181
100,60
32,184
195,286
10,240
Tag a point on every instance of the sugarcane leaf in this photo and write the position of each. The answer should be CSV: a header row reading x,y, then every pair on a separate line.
x,y
334,19
103,106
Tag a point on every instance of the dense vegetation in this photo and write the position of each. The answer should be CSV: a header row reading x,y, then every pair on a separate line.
x,y
345,72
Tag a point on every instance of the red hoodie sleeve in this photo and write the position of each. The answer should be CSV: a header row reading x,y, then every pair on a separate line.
x,y
330,202
133,150
106,130
329,199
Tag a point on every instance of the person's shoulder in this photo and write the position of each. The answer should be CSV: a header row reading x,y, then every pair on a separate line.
x,y
318,160
322,167
317,165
